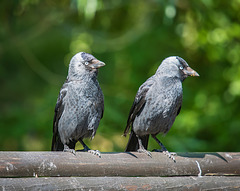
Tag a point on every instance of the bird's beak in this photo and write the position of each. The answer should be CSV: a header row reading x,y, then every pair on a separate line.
x,y
95,63
190,72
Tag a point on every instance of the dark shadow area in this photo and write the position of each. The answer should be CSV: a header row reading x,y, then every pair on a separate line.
x,y
200,155
129,153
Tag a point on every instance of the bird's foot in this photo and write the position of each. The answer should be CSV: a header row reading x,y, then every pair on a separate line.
x,y
87,149
142,150
170,155
95,152
167,153
69,150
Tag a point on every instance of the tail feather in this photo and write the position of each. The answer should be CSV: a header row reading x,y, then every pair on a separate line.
x,y
57,145
133,144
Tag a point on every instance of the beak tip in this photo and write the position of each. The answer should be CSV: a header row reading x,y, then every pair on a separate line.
x,y
101,64
97,64
190,72
196,74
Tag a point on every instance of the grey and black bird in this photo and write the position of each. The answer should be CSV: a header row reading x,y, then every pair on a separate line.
x,y
157,104
80,105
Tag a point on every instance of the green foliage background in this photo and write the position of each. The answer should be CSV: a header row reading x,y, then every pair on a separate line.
x,y
38,39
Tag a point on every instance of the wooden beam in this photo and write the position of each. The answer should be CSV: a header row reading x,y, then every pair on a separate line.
x,y
121,183
30,164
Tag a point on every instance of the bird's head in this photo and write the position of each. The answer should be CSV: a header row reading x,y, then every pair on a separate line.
x,y
175,66
83,64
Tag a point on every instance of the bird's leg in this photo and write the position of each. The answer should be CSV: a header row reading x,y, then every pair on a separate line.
x,y
87,149
67,149
141,147
164,150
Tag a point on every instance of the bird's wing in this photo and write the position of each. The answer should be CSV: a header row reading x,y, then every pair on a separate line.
x,y
95,110
102,103
58,113
179,109
138,103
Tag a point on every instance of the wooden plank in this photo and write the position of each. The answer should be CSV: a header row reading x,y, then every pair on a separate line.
x,y
121,183
29,164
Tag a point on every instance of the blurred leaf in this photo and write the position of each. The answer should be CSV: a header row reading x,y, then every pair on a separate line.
x,y
38,39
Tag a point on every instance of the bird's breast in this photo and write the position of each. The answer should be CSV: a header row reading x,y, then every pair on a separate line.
x,y
160,110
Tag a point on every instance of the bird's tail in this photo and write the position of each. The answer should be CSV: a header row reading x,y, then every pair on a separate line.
x,y
57,145
133,144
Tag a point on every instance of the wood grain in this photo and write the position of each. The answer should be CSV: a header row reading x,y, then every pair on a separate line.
x,y
56,164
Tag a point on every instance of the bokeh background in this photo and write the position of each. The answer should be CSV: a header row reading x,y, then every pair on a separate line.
x,y
38,39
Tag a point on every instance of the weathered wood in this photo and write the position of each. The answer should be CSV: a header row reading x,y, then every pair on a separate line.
x,y
121,183
29,164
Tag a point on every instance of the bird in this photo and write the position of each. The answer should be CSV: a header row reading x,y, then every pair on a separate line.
x,y
156,105
80,105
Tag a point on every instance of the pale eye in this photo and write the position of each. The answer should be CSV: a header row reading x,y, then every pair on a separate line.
x,y
86,63
181,68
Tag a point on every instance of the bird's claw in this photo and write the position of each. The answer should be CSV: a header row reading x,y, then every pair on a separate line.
x,y
170,155
70,150
95,152
167,153
148,153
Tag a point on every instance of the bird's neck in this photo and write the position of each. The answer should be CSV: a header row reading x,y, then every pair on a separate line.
x,y
170,76
90,76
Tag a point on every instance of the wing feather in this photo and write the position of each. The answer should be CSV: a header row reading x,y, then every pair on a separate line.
x,y
139,103
59,108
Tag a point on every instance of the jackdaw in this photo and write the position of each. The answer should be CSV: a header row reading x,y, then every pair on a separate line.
x,y
80,105
156,105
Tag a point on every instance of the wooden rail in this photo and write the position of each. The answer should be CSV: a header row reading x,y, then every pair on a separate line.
x,y
126,171
29,164
215,183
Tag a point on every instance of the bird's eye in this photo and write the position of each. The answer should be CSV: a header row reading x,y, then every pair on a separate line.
x,y
86,63
181,68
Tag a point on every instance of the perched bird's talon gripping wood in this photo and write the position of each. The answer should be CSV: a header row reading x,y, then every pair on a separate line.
x,y
142,150
157,104
80,105
95,152
70,151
